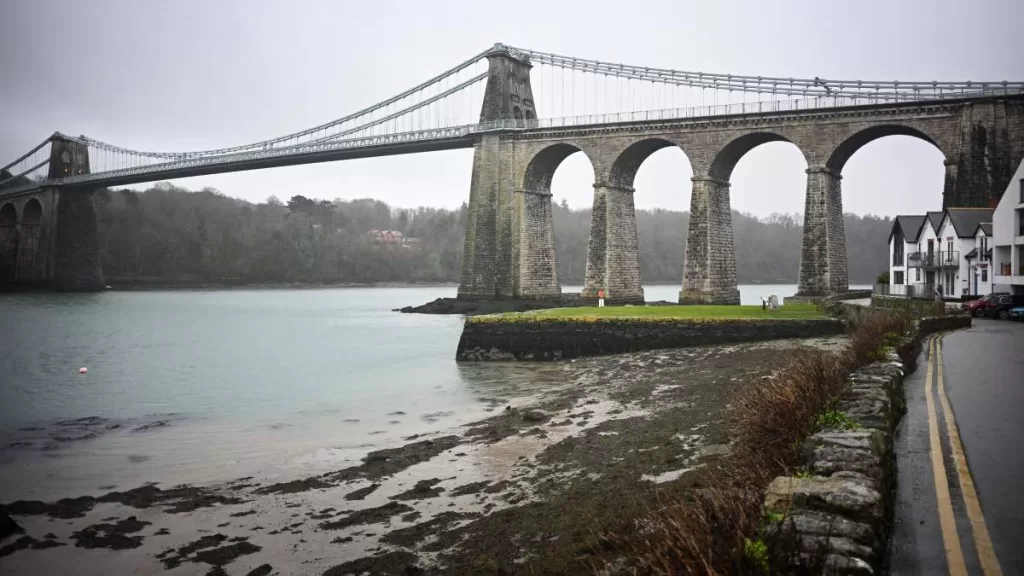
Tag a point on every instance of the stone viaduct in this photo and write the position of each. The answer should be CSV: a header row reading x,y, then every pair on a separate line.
x,y
48,228
509,251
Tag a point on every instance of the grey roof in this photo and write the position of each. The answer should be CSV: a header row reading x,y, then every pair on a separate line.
x,y
936,219
967,220
971,254
987,227
910,225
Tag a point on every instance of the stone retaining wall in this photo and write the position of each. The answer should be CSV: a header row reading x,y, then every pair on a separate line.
x,y
519,339
840,512
911,304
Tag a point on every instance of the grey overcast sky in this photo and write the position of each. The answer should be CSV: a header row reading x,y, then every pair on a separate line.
x,y
196,74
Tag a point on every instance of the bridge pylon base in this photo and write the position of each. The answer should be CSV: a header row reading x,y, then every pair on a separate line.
x,y
823,256
709,274
613,257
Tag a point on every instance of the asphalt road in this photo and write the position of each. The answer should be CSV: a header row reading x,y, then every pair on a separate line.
x,y
960,508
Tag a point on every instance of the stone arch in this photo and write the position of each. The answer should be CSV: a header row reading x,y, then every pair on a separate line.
x,y
542,165
8,215
625,166
536,272
729,155
28,240
849,146
8,242
32,213
709,273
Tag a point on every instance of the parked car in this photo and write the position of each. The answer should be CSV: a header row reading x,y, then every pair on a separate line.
x,y
1017,313
977,307
1001,306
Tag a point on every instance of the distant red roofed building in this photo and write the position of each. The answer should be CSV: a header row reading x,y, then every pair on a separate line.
x,y
390,237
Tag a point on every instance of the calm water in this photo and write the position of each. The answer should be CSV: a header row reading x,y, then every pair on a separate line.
x,y
202,386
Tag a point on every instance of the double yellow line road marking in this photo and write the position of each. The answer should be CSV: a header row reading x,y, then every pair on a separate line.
x,y
947,520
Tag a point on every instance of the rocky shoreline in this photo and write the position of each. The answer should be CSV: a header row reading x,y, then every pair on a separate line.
x,y
530,490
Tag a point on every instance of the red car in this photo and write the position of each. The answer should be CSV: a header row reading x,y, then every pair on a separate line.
x,y
979,306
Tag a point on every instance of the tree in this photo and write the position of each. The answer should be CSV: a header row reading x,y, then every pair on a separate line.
x,y
169,234
302,204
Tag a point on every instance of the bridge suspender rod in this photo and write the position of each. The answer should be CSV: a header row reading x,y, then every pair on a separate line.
x,y
404,111
29,171
26,155
280,139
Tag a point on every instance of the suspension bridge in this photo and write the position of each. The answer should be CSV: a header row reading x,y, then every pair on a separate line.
x,y
616,114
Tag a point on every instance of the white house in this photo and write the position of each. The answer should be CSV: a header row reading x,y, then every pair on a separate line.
x,y
902,243
979,261
1008,237
928,253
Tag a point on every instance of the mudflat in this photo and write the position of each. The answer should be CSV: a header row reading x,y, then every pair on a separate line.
x,y
535,488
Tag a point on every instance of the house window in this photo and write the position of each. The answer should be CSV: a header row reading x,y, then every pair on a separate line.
x,y
1020,221
983,248
1022,190
898,277
984,274
917,274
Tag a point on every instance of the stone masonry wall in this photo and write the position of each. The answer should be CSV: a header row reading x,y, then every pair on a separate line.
x,y
823,269
709,272
479,257
537,270
8,253
521,338
991,147
841,512
613,261
76,265
978,139
919,306
28,244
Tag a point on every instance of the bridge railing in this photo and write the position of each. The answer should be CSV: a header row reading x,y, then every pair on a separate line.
x,y
733,109
155,166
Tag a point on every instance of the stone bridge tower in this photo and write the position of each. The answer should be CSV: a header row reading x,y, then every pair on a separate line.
x,y
76,255
48,237
510,244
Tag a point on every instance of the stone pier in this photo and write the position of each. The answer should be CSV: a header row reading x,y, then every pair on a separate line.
x,y
613,258
709,274
823,256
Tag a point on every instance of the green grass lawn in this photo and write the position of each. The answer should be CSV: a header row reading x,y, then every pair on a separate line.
x,y
661,313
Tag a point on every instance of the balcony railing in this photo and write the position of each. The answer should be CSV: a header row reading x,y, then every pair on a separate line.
x,y
939,259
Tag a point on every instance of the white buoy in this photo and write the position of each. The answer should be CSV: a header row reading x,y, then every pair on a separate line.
x,y
83,370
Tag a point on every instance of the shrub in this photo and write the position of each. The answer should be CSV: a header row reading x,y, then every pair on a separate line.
x,y
716,530
883,278
835,420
